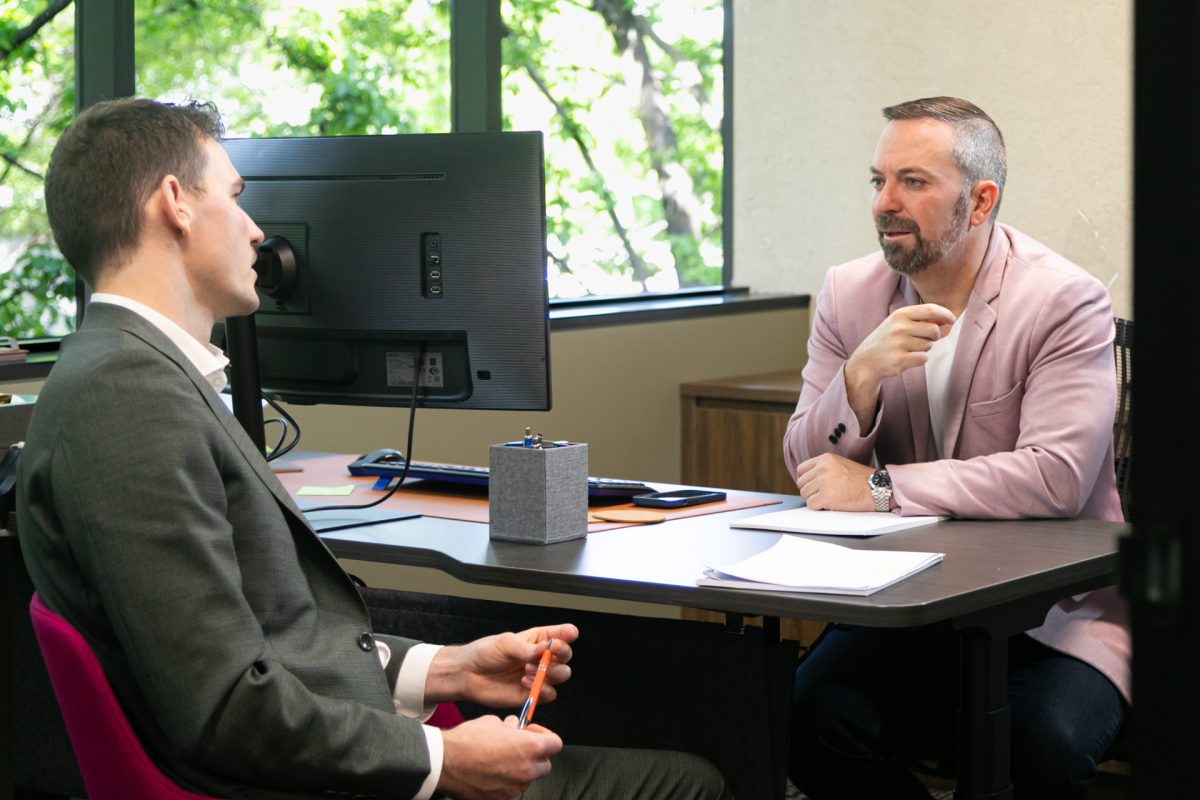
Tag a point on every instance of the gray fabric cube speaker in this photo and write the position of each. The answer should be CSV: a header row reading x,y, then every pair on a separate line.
x,y
538,495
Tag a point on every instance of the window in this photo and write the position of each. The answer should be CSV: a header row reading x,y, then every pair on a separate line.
x,y
302,68
630,98
37,102
629,93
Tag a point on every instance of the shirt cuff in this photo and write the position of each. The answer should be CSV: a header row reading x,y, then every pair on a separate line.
x,y
433,740
408,695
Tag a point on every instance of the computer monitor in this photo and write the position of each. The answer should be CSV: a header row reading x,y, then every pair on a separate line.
x,y
379,247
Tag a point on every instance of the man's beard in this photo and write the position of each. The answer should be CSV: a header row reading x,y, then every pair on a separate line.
x,y
923,252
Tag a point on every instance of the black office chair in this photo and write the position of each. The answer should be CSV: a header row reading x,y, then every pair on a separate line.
x,y
1122,749
1123,424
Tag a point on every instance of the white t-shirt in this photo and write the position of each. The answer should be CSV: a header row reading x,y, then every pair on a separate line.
x,y
937,375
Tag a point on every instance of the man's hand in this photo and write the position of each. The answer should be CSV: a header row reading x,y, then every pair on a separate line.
x,y
497,671
831,482
486,759
901,342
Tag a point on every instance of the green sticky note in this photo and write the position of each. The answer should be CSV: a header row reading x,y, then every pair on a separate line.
x,y
324,491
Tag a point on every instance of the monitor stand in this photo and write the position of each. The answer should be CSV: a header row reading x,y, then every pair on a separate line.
x,y
245,384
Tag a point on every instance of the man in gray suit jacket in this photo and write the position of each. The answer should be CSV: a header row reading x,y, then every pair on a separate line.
x,y
238,647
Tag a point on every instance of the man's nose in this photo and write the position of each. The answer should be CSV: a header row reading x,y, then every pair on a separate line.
x,y
886,200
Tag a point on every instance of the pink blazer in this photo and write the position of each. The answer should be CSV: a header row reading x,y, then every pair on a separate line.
x,y
1032,395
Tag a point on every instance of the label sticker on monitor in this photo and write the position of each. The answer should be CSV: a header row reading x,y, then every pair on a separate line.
x,y
400,369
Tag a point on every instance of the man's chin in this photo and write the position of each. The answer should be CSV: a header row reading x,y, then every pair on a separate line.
x,y
902,261
245,307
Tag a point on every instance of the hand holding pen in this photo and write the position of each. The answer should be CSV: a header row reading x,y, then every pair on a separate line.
x,y
497,671
538,678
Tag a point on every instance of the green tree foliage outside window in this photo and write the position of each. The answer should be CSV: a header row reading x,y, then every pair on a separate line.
x,y
37,101
628,92
296,68
630,95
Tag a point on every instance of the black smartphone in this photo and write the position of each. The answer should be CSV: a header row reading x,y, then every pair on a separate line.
x,y
678,498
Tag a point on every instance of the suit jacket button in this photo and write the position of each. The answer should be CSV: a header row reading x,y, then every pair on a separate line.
x,y
841,428
833,439
366,642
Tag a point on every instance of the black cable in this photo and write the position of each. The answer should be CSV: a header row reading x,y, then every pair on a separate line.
x,y
412,415
283,432
278,451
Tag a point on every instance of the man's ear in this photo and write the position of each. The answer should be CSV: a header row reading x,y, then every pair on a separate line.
x,y
169,201
984,197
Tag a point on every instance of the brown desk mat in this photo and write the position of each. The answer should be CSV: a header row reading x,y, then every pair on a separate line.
x,y
465,503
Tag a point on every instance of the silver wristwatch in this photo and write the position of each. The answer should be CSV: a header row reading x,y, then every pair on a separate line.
x,y
880,484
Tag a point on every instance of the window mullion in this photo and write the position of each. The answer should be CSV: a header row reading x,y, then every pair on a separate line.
x,y
475,65
103,71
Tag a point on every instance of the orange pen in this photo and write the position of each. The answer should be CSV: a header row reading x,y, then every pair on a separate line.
x,y
538,678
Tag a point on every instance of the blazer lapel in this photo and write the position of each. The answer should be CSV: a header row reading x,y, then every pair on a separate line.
x,y
915,392
130,322
349,603
978,321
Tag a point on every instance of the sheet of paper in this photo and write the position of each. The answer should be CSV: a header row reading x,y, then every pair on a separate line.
x,y
832,523
802,565
325,491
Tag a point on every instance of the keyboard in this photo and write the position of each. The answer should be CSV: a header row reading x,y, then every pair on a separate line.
x,y
389,463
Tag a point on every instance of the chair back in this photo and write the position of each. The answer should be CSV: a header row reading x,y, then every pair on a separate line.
x,y
1123,424
113,763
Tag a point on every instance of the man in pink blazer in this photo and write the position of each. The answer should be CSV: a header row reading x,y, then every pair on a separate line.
x,y
966,370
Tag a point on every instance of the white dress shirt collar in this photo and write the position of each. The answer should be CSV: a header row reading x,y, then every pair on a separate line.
x,y
208,360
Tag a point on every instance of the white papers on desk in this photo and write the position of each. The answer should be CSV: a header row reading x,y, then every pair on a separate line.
x,y
832,523
796,564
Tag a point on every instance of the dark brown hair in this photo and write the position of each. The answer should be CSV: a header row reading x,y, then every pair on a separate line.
x,y
978,145
110,159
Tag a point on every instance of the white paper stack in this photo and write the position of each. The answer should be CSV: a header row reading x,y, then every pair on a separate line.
x,y
832,523
796,564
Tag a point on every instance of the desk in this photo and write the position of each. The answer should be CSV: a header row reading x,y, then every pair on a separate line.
x,y
998,578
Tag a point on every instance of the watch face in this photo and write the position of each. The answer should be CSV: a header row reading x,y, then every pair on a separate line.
x,y
880,479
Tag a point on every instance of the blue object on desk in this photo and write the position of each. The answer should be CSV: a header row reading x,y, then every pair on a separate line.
x,y
390,464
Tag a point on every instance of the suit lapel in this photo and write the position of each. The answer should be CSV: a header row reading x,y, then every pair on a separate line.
x,y
103,314
350,604
978,321
915,393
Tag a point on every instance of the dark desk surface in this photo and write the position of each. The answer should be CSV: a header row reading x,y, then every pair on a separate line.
x,y
988,565
997,579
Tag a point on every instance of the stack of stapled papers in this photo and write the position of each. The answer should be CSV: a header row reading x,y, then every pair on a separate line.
x,y
797,564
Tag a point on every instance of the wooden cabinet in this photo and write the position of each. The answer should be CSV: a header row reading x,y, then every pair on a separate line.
x,y
733,429
732,438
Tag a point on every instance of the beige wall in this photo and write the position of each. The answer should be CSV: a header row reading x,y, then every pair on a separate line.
x,y
616,388
810,78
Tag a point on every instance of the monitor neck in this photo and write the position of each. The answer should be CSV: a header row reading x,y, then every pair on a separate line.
x,y
245,383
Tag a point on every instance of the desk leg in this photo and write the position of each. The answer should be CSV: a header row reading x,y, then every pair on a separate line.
x,y
779,654
983,717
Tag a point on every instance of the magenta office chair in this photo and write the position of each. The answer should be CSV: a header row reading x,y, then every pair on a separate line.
x,y
112,760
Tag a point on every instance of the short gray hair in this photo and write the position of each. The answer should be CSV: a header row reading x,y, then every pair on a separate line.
x,y
978,145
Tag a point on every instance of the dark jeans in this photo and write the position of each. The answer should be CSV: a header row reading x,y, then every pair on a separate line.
x,y
867,697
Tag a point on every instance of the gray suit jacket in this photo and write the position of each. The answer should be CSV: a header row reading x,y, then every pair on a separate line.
x,y
230,634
